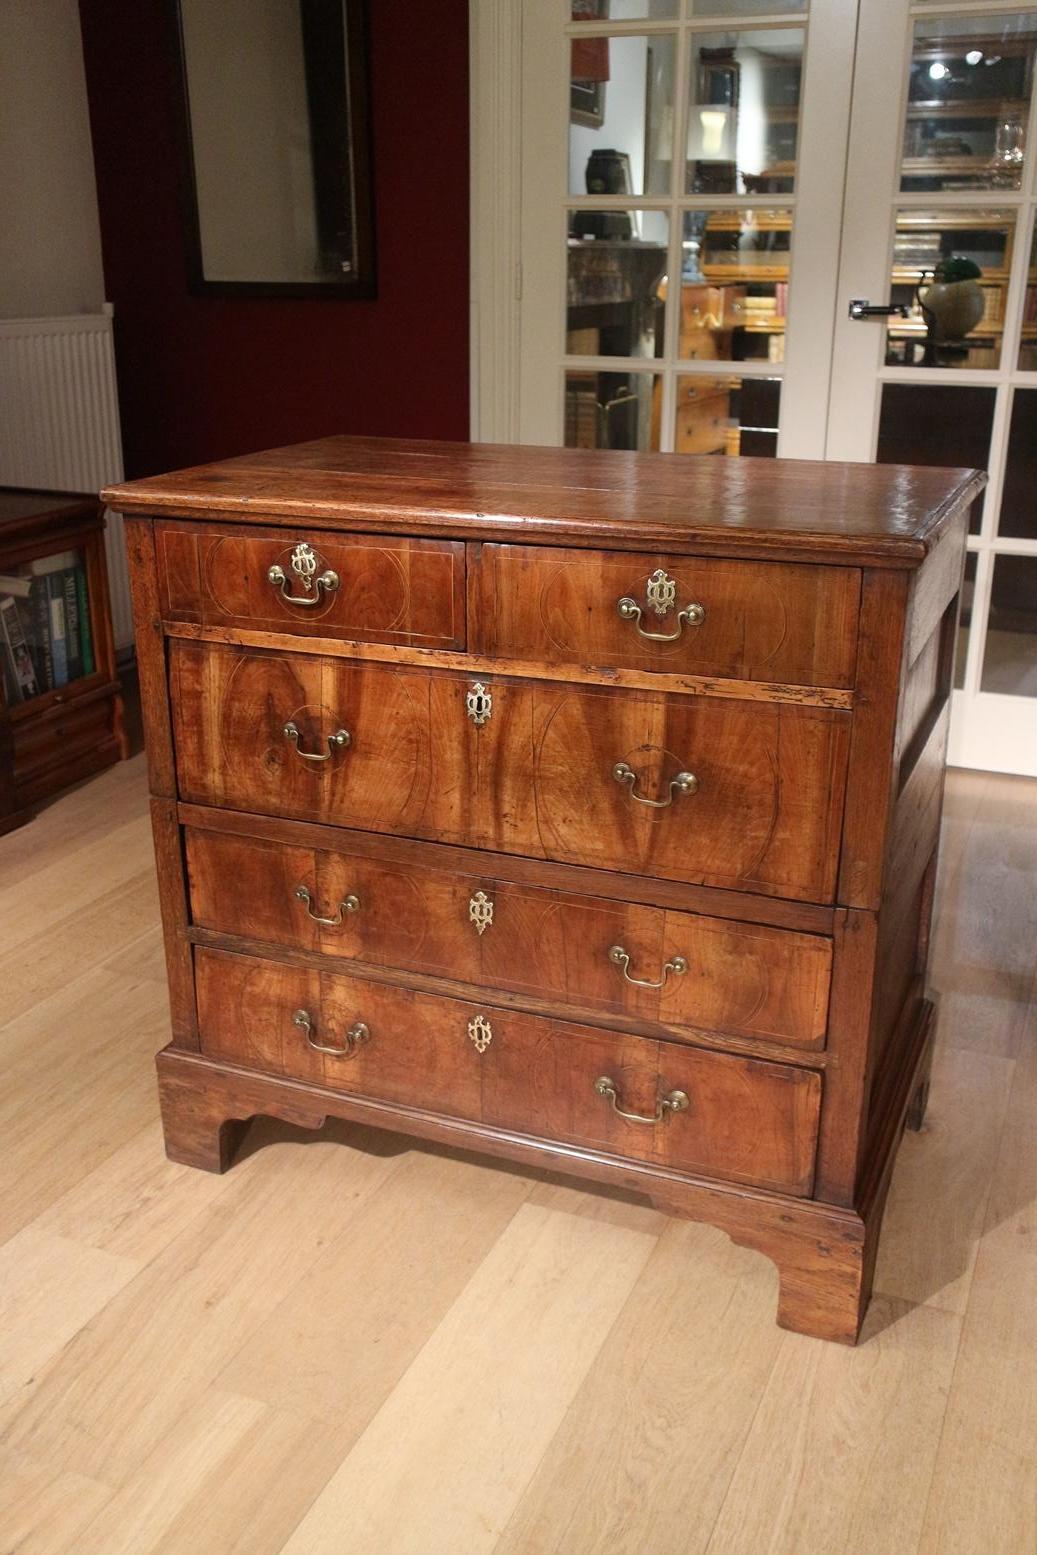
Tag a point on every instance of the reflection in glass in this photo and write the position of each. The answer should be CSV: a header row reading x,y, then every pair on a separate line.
x,y
950,269
935,423
968,102
1010,656
623,10
734,285
743,111
725,415
961,645
1019,497
735,8
612,410
46,636
616,267
621,114
1028,335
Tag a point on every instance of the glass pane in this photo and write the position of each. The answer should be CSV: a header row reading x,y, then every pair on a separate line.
x,y
623,10
621,115
1010,659
615,283
933,423
727,415
745,7
743,111
45,634
613,410
1019,498
1028,339
968,100
734,285
961,646
950,270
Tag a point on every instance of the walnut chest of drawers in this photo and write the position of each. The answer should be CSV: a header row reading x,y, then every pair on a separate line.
x,y
577,807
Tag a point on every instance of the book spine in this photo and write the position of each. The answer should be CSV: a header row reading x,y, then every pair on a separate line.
x,y
70,598
86,639
58,641
19,659
40,602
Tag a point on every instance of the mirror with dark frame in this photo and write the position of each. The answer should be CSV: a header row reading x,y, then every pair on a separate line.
x,y
276,146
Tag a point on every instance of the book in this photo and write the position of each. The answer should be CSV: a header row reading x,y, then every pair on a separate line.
x,y
21,672
43,566
11,584
56,625
86,641
39,636
70,599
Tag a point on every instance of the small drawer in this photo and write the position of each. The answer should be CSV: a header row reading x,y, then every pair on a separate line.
x,y
788,623
689,972
314,582
708,1114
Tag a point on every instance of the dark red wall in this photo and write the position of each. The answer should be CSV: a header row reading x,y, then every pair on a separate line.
x,y
206,377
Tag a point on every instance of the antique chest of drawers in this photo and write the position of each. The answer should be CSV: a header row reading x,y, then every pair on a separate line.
x,y
578,807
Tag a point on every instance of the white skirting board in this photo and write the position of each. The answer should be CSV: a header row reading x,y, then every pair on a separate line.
x,y
59,422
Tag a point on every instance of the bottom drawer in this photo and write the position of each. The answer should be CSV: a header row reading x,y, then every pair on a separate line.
x,y
706,1113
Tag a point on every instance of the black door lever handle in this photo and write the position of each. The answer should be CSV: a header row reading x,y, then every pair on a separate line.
x,y
861,308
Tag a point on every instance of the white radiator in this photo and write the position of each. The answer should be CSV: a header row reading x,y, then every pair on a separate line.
x,y
59,422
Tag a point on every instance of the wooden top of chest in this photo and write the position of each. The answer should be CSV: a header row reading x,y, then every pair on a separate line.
x,y
886,515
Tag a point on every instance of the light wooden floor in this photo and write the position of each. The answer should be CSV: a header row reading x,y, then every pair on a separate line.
x,y
350,1345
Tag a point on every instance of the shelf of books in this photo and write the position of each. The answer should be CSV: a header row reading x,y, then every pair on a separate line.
x,y
61,715
47,640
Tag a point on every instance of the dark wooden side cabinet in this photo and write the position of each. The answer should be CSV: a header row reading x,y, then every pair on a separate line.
x,y
61,711
579,807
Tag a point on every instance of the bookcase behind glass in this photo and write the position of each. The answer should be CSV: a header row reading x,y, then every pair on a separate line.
x,y
61,712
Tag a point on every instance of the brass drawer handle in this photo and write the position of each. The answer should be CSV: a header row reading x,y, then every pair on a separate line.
x,y
336,742
304,566
676,1101
683,783
661,595
356,1036
348,904
619,957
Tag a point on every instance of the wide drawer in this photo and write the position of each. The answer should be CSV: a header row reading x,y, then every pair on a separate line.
x,y
379,589
781,622
716,976
738,794
705,1113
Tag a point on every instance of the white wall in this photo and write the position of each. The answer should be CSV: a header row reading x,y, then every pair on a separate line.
x,y
50,241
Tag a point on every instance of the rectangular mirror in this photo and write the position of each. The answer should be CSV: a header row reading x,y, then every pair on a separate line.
x,y
278,181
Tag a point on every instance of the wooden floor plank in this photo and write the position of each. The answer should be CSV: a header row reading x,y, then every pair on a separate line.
x,y
929,1239
442,1465
49,1288
841,1450
984,1489
653,1435
107,1401
43,1511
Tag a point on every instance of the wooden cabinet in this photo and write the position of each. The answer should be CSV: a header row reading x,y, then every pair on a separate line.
x,y
588,818
61,715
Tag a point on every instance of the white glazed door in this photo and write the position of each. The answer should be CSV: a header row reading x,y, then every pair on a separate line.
x,y
682,178
941,184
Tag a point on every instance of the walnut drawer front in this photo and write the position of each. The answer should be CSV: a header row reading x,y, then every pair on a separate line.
x,y
701,789
781,622
377,589
710,974
705,1113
